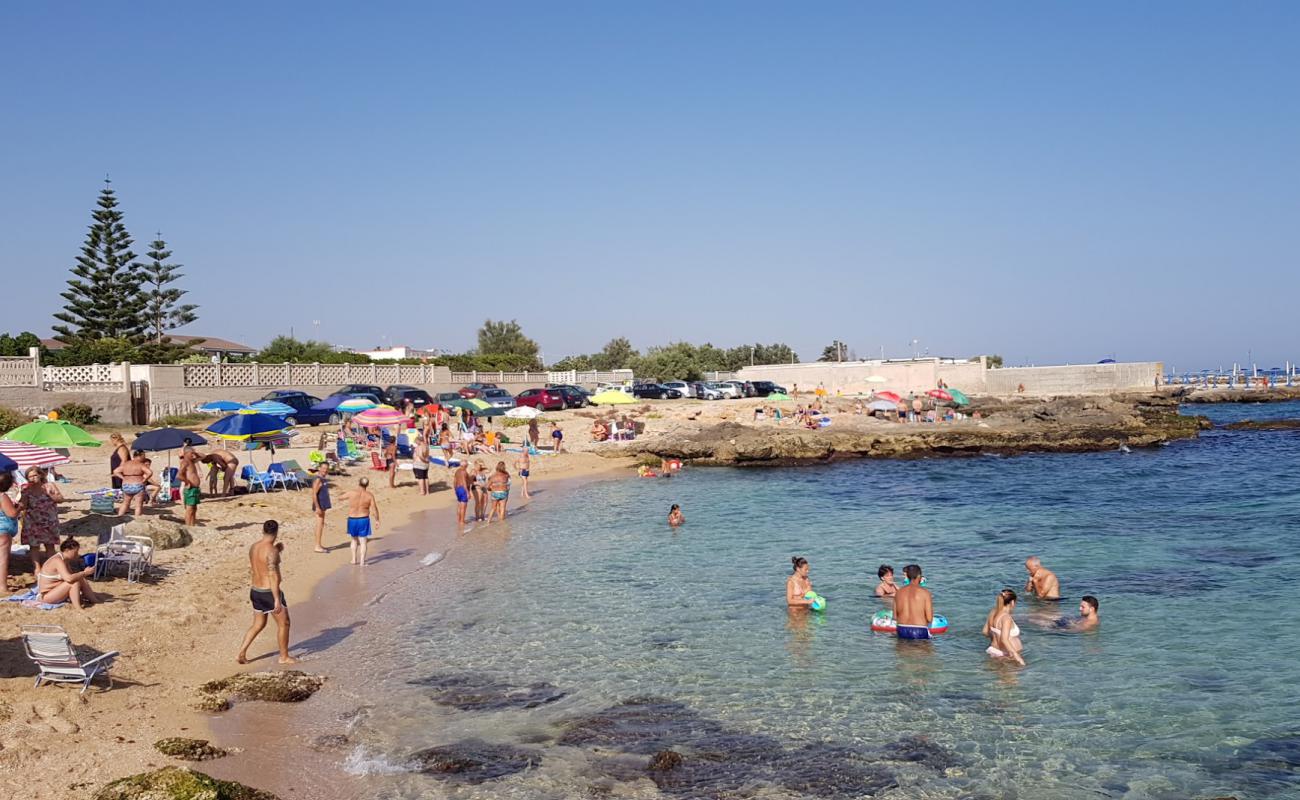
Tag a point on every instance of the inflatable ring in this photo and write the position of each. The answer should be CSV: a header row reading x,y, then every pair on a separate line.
x,y
883,622
818,602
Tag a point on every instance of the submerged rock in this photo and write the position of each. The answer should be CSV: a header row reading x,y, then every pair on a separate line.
x,y
474,761
189,749
330,741
469,692
641,725
920,750
1264,425
177,783
665,760
287,686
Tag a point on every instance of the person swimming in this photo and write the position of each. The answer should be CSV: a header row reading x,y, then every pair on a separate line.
x,y
1001,628
675,516
1089,615
798,584
886,587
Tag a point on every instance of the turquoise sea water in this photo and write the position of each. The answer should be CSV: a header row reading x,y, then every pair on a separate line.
x,y
588,600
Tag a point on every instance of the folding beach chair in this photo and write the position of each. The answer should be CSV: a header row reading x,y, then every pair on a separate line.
x,y
377,463
280,475
50,649
294,471
136,552
253,478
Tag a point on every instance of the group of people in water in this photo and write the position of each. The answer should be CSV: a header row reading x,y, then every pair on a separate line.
x,y
912,604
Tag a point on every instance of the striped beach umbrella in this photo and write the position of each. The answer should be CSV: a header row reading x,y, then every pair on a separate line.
x,y
244,426
892,397
379,417
29,455
355,404
272,407
939,394
222,405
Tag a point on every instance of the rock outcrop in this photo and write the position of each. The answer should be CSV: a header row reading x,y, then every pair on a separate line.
x,y
189,749
1264,425
165,535
175,783
284,686
1273,394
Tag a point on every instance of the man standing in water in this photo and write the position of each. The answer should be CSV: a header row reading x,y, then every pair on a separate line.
x,y
266,595
913,606
1042,581
361,504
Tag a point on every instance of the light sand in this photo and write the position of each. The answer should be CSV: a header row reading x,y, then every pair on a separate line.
x,y
184,626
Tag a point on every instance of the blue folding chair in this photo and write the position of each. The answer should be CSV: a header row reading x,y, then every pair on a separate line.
x,y
253,478
277,472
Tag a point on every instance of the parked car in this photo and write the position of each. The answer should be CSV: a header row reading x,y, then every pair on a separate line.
x,y
586,393
363,390
727,389
301,403
617,387
499,398
397,396
706,391
764,388
447,398
651,390
681,387
573,396
545,399
473,390
739,387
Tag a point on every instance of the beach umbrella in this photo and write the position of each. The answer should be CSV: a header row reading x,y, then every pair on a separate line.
x,y
959,397
354,404
939,394
612,397
28,455
891,396
165,439
882,405
523,412
248,425
876,379
7,464
379,417
778,396
222,406
490,411
52,433
273,407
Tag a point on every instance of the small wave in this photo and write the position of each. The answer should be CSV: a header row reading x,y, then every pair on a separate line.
x,y
431,559
360,762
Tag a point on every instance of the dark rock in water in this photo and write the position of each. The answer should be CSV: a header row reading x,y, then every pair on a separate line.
x,y
665,760
1240,557
641,725
479,693
832,771
474,761
285,686
1264,425
330,741
1166,583
189,749
175,783
920,750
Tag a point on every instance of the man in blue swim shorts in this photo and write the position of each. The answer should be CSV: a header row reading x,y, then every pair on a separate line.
x,y
913,606
361,505
460,480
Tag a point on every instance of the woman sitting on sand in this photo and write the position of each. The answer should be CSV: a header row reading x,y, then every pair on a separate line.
x,y
599,432
798,584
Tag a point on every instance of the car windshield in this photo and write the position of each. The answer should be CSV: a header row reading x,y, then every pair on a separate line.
x,y
496,393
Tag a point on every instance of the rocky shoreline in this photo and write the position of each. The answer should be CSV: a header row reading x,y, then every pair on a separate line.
x,y
1057,425
1275,394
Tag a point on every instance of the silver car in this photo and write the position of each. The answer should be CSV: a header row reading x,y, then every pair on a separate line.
x,y
498,398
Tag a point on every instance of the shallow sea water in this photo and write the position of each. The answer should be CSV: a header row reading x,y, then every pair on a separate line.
x,y
528,637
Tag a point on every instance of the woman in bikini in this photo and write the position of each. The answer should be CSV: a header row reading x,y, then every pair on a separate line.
x,y
135,474
8,527
1001,628
56,582
798,584
121,454
499,486
38,506
480,491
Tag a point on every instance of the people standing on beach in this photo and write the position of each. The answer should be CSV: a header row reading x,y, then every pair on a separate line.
x,y
320,503
224,463
134,475
191,493
1042,581
120,455
1089,615
498,485
557,438
420,463
38,506
886,587
479,488
390,461
533,434
361,506
56,581
8,527
266,594
798,584
460,483
675,516
913,606
1001,628
444,443
523,465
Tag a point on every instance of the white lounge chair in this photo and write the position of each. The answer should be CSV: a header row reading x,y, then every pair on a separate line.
x,y
50,649
136,552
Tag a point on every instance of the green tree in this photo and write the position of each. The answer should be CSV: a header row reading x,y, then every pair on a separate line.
x,y
677,361
288,349
19,345
164,310
581,363
103,296
994,361
835,351
507,338
616,354
101,350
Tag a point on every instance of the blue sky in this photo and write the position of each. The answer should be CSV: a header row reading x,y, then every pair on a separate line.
x,y
1052,182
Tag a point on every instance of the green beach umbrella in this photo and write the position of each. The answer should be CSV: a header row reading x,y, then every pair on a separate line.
x,y
778,396
52,433
472,404
959,397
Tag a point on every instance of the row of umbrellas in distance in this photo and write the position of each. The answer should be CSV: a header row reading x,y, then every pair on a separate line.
x,y
365,412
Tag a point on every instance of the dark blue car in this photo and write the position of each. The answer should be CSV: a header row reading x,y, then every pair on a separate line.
x,y
303,413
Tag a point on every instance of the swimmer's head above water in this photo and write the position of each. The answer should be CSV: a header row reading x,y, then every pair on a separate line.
x,y
912,572
800,565
885,571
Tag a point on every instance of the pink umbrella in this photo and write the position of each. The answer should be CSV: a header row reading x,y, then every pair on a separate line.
x,y
29,455
379,417
890,396
939,394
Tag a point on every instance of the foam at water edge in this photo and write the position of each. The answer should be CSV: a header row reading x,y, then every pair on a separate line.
x,y
431,559
360,762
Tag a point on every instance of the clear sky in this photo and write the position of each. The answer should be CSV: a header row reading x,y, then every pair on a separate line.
x,y
1048,181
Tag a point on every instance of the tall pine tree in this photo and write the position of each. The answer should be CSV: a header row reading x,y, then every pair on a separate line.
x,y
103,296
163,309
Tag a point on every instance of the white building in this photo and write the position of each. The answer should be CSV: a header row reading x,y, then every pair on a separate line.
x,y
398,352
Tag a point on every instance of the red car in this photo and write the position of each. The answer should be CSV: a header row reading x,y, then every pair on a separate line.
x,y
475,390
545,399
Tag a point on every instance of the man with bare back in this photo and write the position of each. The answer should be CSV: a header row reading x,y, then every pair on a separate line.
x,y
361,505
266,595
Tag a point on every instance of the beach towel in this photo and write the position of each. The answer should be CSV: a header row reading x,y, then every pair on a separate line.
x,y
29,600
